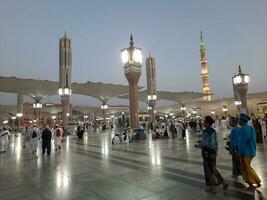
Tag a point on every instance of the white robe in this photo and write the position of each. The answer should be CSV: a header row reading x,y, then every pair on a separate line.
x,y
58,139
4,140
34,141
179,127
263,127
224,129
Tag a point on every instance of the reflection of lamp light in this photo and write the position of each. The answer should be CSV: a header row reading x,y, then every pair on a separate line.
x,y
54,117
212,112
194,112
5,122
13,117
68,114
155,111
85,116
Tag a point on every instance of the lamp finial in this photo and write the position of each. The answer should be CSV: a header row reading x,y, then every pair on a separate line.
x,y
131,40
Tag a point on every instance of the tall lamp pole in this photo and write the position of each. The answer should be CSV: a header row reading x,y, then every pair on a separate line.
x,y
132,61
65,66
241,81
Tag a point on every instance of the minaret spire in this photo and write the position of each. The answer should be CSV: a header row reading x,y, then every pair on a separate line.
x,y
201,37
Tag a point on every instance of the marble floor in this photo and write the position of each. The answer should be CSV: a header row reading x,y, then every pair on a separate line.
x,y
96,169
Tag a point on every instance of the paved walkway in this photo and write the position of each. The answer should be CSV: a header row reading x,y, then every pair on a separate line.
x,y
95,169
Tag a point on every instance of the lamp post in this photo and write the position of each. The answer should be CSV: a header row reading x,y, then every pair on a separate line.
x,y
151,101
132,60
13,121
183,109
104,108
37,107
240,81
19,116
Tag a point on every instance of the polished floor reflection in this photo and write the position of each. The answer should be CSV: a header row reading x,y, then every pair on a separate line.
x,y
96,169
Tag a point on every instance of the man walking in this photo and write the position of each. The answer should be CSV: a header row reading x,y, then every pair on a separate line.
x,y
247,150
233,146
46,140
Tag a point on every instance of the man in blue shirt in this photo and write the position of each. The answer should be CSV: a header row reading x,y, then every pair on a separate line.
x,y
209,147
247,150
233,146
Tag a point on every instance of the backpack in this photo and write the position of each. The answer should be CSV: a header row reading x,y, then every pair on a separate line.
x,y
58,132
34,134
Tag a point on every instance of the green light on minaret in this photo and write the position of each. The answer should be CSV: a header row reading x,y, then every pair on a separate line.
x,y
202,45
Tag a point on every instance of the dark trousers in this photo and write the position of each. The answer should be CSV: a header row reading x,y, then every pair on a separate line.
x,y
236,165
48,147
183,133
212,176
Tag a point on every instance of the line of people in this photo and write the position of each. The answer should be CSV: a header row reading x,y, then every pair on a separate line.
x,y
170,129
31,137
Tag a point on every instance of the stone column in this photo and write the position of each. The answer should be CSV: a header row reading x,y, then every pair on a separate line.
x,y
19,107
65,110
20,103
133,78
242,90
104,116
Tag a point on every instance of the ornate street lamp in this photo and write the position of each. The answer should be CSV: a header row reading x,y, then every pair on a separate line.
x,y
240,81
104,107
183,108
132,61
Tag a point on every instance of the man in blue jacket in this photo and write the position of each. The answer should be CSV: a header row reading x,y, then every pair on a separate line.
x,y
233,146
247,150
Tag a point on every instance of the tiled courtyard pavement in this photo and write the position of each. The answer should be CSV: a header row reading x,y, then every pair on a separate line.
x,y
96,169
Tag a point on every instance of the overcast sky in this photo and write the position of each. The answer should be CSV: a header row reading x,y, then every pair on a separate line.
x,y
234,32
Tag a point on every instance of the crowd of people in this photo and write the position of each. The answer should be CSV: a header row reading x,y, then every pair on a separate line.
x,y
242,135
170,129
32,136
242,147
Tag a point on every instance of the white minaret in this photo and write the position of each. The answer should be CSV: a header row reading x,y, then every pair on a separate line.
x,y
204,71
65,66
